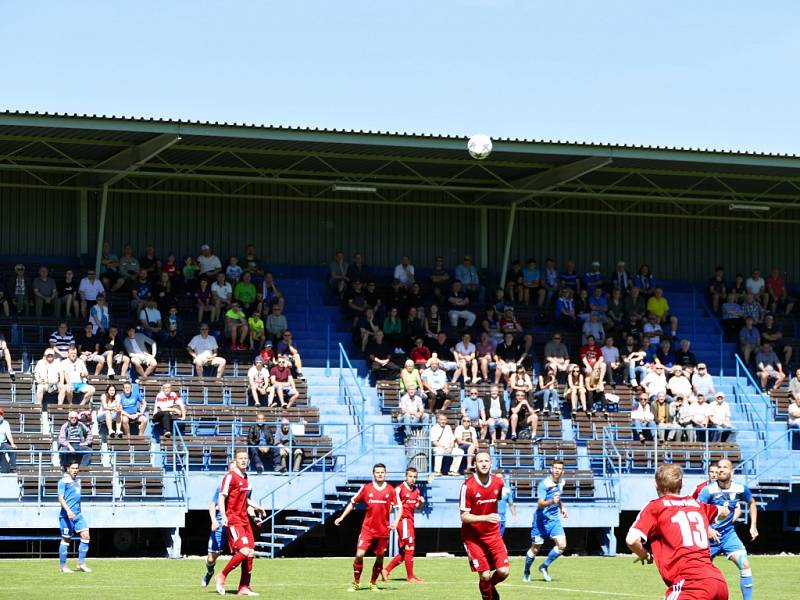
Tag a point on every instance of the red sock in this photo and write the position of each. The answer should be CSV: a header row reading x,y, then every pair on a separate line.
x,y
376,570
233,563
394,562
408,558
485,586
247,569
497,578
358,566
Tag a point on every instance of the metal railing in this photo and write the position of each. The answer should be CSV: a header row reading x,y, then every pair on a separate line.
x,y
742,371
352,392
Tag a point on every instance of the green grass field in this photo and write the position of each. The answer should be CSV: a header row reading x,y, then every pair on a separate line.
x,y
308,579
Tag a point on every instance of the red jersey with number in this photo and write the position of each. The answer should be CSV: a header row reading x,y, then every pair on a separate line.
x,y
408,498
480,499
236,488
677,529
379,508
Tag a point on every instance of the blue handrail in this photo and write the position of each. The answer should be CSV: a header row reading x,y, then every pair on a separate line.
x,y
754,411
358,412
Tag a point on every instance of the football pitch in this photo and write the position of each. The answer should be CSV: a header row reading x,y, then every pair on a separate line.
x,y
310,579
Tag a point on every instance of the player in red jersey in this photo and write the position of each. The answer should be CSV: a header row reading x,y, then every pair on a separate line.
x,y
712,476
410,498
233,506
380,499
676,527
480,529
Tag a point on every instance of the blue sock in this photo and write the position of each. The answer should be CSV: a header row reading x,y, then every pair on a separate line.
x,y
746,584
529,558
63,551
83,548
554,554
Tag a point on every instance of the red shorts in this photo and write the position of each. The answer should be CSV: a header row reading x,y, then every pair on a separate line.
x,y
240,536
369,542
405,531
698,589
486,554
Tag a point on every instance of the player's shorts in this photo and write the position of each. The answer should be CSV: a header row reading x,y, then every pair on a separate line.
x,y
69,527
217,540
698,589
372,543
406,533
486,554
502,525
728,544
240,536
543,529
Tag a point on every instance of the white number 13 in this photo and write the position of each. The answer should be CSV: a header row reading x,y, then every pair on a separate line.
x,y
693,530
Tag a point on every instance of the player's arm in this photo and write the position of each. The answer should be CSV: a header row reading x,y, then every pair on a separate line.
x,y
257,507
512,508
398,509
223,497
469,518
347,510
634,542
753,518
212,512
62,502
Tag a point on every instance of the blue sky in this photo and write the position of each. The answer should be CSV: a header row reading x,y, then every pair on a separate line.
x,y
681,73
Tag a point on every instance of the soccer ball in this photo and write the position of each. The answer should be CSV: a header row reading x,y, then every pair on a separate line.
x,y
479,146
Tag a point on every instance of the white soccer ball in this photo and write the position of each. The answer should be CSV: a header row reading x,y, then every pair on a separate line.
x,y
479,146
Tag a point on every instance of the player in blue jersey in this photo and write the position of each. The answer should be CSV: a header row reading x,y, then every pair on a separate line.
x,y
725,492
547,521
71,520
505,504
217,539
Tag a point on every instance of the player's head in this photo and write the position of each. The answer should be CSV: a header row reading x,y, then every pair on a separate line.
x,y
712,472
411,476
240,459
483,463
556,469
724,470
72,468
379,472
669,479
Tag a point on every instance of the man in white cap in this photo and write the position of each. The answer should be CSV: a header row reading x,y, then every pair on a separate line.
x,y
593,278
47,375
209,263
719,418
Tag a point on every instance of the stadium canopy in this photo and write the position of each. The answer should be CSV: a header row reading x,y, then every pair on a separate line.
x,y
185,158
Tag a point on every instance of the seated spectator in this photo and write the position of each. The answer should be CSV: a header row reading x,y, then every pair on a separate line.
x,y
221,296
611,358
556,354
394,296
89,348
205,302
412,410
380,358
204,350
209,265
283,442
190,272
682,419
509,323
443,443
494,407
593,278
655,382
491,324
99,317
280,377
357,269
484,352
547,392
595,389
565,309
777,297
8,446
702,382
169,407
270,294
410,376
74,379
61,340
592,356
267,354
771,332
472,408
719,418
114,353
337,273
252,264
520,381
18,290
521,410
653,329
467,440
621,280
367,326
45,293
236,326
110,275
550,280
233,272
749,339
756,286
163,292
260,442
150,263
663,415
651,351
393,330
110,412
569,277
532,284
507,356
75,441
140,288
700,412
276,323
686,358
244,292
593,328
434,325
465,355
576,389
633,359
769,367
442,350
434,382
420,354
136,345
288,350
679,384
645,281
458,303
128,264
467,274
257,332
173,331
665,355
752,308
258,383
615,315
737,288
172,270
598,304
643,420
357,299
150,320
717,289
413,327
732,315
404,273
47,375
636,305
582,306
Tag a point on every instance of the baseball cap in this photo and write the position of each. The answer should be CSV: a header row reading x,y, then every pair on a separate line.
x,y
49,352
258,359
205,247
268,343
701,365
595,263
719,395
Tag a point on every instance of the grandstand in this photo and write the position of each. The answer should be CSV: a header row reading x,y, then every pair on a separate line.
x,y
69,183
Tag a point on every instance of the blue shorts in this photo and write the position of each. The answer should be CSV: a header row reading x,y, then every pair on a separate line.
x,y
218,540
502,527
79,387
543,529
69,527
728,544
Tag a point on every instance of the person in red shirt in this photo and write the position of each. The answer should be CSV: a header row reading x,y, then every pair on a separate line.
x,y
712,476
591,356
380,499
410,499
480,529
234,502
420,354
776,293
676,528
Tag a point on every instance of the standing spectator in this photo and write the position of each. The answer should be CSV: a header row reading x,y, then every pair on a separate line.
x,y
457,302
75,441
556,354
645,281
749,339
276,323
467,440
494,406
771,332
45,292
47,375
548,392
88,290
776,291
532,283
169,407
621,280
467,274
756,285
136,344
203,349
258,383
717,289
643,420
74,379
466,360
7,446
209,265
550,280
19,290
404,272
221,296
128,265
280,377
412,410
769,367
259,444
720,419
337,273
576,389
443,443
434,381
283,442
236,326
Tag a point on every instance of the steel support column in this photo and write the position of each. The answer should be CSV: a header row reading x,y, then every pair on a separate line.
x,y
507,252
101,229
83,223
483,259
